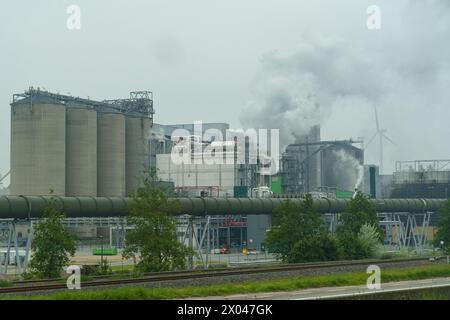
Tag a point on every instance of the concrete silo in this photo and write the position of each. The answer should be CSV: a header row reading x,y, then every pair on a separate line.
x,y
38,140
137,150
81,151
110,153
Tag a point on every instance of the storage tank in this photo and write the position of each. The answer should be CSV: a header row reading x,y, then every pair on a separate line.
x,y
137,150
38,139
110,154
81,151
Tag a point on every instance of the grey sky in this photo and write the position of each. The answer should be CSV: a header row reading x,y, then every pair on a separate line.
x,y
211,60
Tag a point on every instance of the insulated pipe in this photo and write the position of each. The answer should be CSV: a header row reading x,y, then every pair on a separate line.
x,y
25,207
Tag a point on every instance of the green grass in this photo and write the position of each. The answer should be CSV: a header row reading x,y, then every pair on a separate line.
x,y
286,284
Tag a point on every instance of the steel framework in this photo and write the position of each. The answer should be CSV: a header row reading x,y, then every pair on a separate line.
x,y
140,102
422,165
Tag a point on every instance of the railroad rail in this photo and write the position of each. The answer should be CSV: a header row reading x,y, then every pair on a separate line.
x,y
50,285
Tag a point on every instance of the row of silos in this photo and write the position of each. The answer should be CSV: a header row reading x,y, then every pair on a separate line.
x,y
75,149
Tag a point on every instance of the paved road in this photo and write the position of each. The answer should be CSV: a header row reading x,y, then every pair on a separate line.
x,y
335,292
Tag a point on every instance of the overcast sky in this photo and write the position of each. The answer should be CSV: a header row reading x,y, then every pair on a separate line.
x,y
229,61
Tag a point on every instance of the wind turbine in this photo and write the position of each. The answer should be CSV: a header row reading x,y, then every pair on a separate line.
x,y
381,133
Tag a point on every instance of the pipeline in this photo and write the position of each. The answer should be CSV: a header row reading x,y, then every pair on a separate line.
x,y
27,207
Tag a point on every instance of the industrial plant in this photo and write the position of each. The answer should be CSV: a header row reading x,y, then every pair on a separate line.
x,y
211,151
90,150
91,157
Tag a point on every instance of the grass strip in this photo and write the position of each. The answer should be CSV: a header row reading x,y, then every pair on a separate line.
x,y
284,284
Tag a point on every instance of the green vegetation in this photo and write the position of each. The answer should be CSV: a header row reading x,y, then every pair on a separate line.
x,y
298,234
358,228
154,236
443,228
369,238
52,245
5,283
287,284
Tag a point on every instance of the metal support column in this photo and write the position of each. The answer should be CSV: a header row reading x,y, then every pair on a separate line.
x,y
28,247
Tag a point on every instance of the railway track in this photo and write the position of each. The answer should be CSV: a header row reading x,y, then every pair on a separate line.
x,y
59,284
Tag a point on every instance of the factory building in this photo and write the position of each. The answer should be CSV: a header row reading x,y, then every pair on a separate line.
x,y
300,164
421,179
71,146
210,180
198,177
316,166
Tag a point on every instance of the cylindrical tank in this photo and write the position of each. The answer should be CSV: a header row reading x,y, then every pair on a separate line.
x,y
110,154
81,151
137,151
38,140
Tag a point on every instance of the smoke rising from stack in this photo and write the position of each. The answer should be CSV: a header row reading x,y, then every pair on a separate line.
x,y
349,170
335,83
296,91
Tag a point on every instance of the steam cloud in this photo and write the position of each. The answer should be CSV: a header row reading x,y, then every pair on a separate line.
x,y
349,170
404,69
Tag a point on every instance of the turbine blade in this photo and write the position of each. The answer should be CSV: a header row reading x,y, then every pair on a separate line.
x,y
388,139
371,139
376,118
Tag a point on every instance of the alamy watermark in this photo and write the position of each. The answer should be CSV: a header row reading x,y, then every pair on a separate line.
x,y
74,280
374,280
239,146
373,17
74,19
373,21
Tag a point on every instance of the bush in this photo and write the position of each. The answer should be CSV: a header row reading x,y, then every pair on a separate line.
x,y
370,243
298,234
358,229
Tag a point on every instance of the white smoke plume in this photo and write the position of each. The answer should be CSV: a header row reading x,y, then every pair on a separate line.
x,y
403,69
295,91
349,169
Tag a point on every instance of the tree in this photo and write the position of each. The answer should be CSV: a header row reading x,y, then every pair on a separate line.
x,y
52,244
154,236
443,228
359,212
298,234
